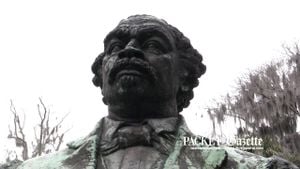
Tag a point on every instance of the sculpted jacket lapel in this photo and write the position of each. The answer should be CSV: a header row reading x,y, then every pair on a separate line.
x,y
85,152
184,157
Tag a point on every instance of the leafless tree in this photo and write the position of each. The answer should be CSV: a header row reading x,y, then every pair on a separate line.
x,y
47,137
17,133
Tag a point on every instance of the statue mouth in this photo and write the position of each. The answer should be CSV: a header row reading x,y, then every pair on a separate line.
x,y
133,68
129,72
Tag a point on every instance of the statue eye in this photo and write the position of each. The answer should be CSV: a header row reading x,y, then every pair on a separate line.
x,y
153,46
115,47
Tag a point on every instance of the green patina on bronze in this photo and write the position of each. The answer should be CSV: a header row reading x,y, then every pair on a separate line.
x,y
81,154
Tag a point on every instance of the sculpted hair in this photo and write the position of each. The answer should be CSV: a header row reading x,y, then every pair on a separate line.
x,y
190,59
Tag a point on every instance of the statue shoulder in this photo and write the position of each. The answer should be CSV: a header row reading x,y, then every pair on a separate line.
x,y
49,161
241,159
11,164
277,162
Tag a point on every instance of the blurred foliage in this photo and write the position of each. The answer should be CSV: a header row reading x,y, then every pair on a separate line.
x,y
266,104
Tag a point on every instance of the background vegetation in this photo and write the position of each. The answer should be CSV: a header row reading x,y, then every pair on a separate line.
x,y
266,103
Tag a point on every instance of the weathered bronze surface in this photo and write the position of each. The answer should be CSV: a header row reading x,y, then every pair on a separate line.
x,y
147,73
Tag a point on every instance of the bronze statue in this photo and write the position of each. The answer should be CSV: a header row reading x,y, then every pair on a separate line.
x,y
147,73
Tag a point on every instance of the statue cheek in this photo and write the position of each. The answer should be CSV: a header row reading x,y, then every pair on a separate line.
x,y
168,63
109,63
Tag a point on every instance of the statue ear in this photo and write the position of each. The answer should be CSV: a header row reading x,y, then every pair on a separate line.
x,y
96,69
184,86
104,100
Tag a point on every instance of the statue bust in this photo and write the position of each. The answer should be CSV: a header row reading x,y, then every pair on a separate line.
x,y
146,73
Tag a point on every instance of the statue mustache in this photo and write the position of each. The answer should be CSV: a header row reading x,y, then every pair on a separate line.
x,y
135,64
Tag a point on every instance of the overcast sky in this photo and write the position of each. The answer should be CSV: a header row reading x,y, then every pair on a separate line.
x,y
47,48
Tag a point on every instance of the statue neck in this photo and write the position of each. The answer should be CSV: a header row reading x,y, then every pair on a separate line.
x,y
140,110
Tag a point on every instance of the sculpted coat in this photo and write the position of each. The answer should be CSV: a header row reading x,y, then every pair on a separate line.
x,y
86,153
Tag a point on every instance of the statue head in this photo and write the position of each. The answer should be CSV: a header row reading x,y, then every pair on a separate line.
x,y
147,60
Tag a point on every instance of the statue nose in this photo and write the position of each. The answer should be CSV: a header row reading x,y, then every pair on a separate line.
x,y
130,52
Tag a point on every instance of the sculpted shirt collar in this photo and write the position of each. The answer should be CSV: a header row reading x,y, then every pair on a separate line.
x,y
159,125
106,128
156,133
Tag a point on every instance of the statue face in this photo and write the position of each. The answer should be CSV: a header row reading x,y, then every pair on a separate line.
x,y
140,63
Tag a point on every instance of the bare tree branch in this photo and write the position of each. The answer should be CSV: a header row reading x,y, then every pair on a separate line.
x,y
18,134
47,137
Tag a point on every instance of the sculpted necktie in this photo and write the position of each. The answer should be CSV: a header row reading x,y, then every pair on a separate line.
x,y
128,135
